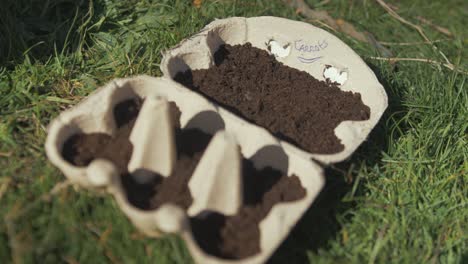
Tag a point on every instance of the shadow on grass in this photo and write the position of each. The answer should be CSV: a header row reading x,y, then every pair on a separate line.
x,y
319,226
40,28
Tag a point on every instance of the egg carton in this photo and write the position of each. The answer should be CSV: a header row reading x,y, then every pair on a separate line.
x,y
295,44
216,182
298,45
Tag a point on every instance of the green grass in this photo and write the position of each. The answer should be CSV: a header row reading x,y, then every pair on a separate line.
x,y
402,198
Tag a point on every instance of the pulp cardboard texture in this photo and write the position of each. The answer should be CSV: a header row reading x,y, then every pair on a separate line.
x,y
222,157
153,140
216,183
298,45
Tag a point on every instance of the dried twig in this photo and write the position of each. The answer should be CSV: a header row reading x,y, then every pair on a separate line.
x,y
383,50
326,20
349,29
99,235
410,43
56,189
4,187
304,9
418,28
324,2
429,61
337,25
6,154
442,30
323,24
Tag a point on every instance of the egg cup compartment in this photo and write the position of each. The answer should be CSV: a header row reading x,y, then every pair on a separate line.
x,y
140,110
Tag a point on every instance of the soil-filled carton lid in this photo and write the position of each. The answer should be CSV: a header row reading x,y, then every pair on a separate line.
x,y
300,47
106,143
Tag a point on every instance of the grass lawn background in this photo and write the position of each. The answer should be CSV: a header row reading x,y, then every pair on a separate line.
x,y
401,198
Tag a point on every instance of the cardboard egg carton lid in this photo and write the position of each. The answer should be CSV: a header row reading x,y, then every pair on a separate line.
x,y
298,45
